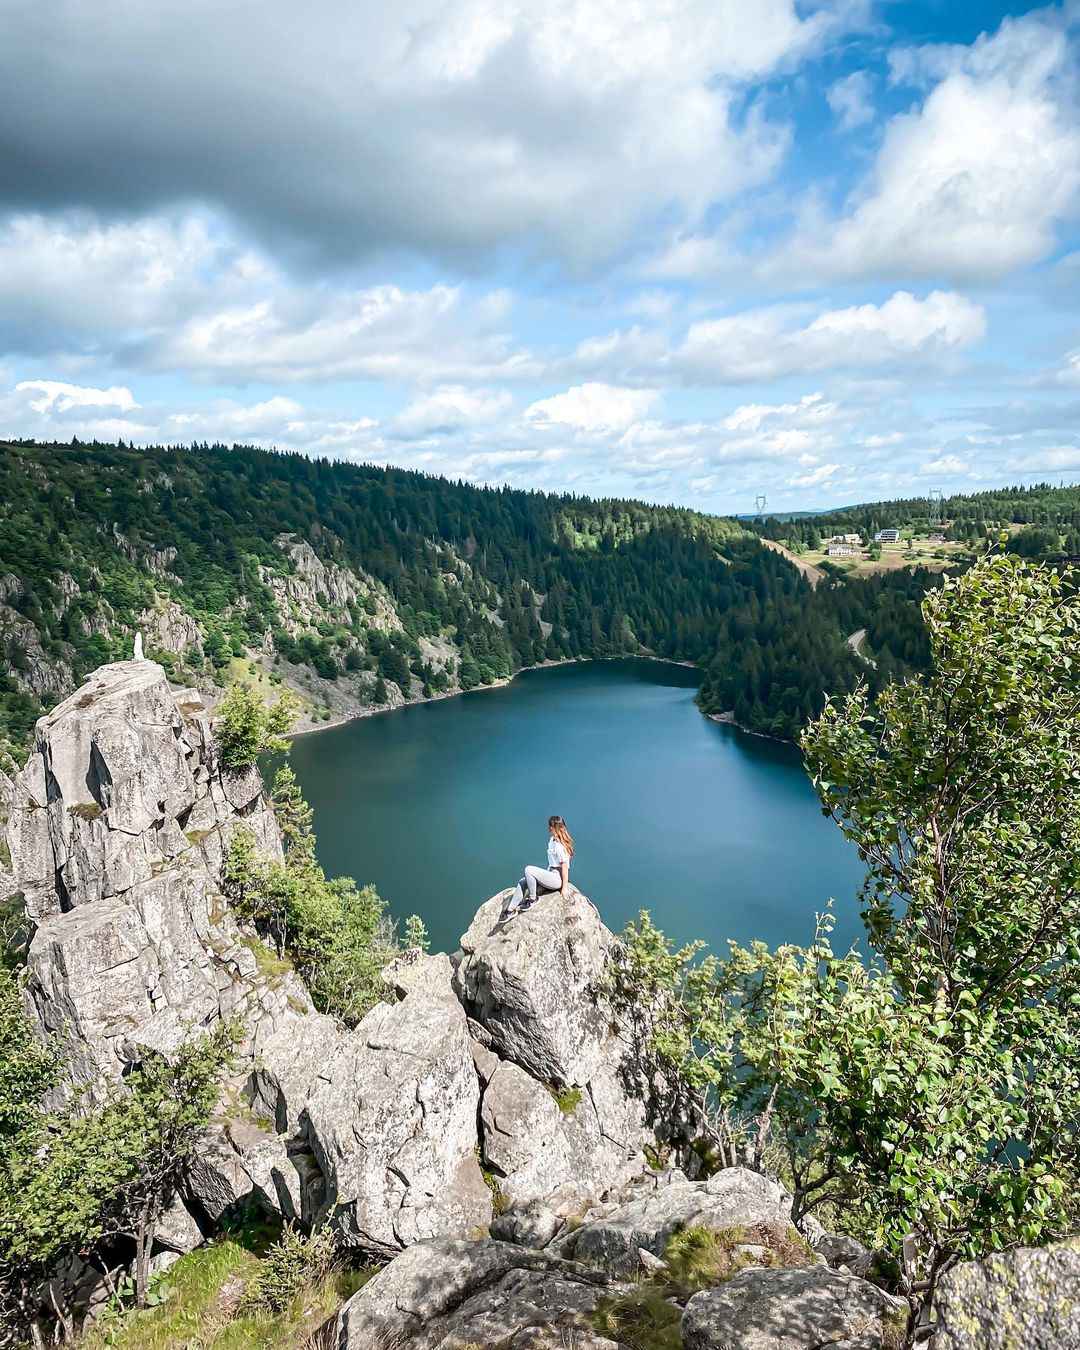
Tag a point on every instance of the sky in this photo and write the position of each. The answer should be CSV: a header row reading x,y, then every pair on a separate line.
x,y
690,251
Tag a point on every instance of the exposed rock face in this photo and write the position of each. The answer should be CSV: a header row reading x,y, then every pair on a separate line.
x,y
1028,1298
535,985
564,1104
734,1197
32,669
813,1309
453,1293
393,1125
116,830
169,629
314,587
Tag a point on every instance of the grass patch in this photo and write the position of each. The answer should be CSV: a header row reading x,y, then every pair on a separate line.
x,y
699,1258
86,810
641,1318
567,1100
500,1202
271,966
647,1315
203,1309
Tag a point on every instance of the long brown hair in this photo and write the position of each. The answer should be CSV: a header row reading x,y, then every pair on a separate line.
x,y
558,829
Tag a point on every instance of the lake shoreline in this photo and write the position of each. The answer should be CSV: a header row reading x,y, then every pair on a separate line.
x,y
720,834
355,716
727,719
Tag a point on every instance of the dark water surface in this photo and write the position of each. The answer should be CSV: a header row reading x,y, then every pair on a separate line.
x,y
441,804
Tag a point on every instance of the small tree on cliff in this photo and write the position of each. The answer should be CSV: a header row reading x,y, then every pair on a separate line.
x,y
247,727
75,1180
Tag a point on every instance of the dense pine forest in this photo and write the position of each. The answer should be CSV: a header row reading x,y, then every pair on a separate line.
x,y
368,581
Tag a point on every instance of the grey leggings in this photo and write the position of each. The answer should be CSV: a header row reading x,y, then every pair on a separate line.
x,y
534,877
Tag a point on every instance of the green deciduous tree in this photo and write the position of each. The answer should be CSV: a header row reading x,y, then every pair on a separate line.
x,y
76,1179
247,727
932,1093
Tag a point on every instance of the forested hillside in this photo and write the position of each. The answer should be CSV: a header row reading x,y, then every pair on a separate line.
x,y
362,586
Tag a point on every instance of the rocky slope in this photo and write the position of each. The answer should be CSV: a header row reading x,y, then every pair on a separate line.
x,y
306,598
483,1129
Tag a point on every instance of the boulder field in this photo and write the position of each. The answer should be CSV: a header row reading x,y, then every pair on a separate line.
x,y
486,1130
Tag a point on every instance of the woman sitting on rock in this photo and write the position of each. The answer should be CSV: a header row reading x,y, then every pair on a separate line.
x,y
554,877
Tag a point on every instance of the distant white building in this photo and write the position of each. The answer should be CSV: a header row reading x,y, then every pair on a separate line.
x,y
839,548
887,537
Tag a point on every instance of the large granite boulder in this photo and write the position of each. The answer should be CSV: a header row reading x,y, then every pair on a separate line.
x,y
389,1112
1027,1299
811,1309
565,1099
453,1293
536,985
733,1198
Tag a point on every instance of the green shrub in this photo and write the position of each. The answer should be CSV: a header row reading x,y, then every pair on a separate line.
x,y
294,1264
335,933
416,933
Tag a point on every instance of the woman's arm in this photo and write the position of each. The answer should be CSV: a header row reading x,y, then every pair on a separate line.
x,y
564,868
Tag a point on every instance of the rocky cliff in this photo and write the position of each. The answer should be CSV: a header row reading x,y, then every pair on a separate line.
x,y
483,1129
490,1079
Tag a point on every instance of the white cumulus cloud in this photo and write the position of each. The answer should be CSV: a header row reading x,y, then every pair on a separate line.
x,y
593,407
57,396
765,345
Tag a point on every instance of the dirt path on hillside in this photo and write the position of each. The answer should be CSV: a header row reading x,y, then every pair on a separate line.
x,y
810,572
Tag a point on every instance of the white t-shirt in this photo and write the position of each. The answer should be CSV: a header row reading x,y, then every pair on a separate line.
x,y
557,853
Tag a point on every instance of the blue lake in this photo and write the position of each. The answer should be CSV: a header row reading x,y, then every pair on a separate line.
x,y
441,804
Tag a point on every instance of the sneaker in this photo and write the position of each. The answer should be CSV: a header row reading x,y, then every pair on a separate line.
x,y
506,915
526,904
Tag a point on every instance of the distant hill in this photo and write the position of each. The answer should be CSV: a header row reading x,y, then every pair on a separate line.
x,y
1048,519
364,587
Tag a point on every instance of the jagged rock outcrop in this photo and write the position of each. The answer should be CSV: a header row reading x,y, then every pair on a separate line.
x,y
565,1095
392,1123
304,595
168,628
1027,1299
116,829
536,986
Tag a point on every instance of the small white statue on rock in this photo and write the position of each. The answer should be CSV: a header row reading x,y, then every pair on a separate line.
x,y
138,647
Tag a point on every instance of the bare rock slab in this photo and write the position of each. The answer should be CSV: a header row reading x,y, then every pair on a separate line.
x,y
812,1309
735,1197
1028,1298
454,1293
392,1123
